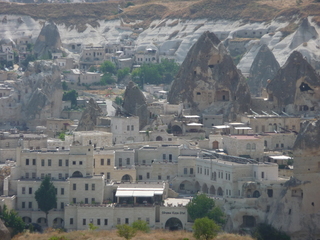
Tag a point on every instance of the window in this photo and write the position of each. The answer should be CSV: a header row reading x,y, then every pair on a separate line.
x,y
168,177
128,161
60,162
170,157
108,175
27,175
27,161
74,200
67,162
66,175
128,128
93,200
185,171
80,162
140,177
86,186
60,175
120,162
262,174
42,175
33,161
61,205
74,163
105,221
30,190
98,221
148,175
118,221
127,220
84,221
148,220
74,186
42,162
71,221
93,187
49,162
248,146
86,201
23,205
101,161
62,191
164,156
159,177
23,190
34,175
108,161
132,127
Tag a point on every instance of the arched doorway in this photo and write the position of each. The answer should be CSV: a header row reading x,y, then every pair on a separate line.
x,y
220,192
42,222
186,186
256,194
26,220
159,138
173,224
197,187
126,178
77,174
215,145
58,223
176,130
204,188
212,190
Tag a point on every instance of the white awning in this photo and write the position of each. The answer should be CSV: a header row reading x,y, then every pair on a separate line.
x,y
124,193
143,193
244,128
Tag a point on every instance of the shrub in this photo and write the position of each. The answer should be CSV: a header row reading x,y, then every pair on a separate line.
x,y
126,231
141,225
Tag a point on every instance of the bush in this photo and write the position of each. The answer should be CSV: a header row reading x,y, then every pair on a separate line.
x,y
205,228
126,231
265,232
141,225
12,220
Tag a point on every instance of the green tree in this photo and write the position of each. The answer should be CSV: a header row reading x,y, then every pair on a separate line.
x,y
92,227
107,79
265,232
108,67
118,100
126,231
12,220
62,136
70,96
141,225
64,86
202,206
46,196
122,73
205,228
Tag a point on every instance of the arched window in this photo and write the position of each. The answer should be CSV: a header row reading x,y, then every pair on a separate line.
x,y
253,146
248,146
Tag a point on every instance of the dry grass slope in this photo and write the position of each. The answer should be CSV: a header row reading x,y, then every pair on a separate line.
x,y
112,235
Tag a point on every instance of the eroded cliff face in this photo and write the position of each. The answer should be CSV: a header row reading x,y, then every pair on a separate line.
x,y
208,81
48,41
264,68
135,103
89,116
296,87
40,92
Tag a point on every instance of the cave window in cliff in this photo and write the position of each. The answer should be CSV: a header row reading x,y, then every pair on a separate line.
x,y
304,87
256,194
248,221
312,108
222,95
198,93
270,192
176,130
195,72
211,66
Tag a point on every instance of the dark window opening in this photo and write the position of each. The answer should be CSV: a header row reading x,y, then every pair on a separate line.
x,y
304,87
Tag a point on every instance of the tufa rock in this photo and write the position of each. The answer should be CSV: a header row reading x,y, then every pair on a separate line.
x,y
296,87
48,41
263,68
89,116
208,81
304,33
4,232
134,103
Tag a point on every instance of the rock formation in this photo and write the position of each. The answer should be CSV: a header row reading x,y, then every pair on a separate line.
x,y
4,232
89,116
297,211
208,81
48,41
263,68
304,33
135,103
296,87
